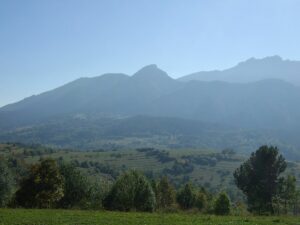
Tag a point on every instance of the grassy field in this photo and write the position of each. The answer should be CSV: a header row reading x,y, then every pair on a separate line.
x,y
74,217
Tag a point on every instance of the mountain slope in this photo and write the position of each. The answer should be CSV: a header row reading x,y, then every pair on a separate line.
x,y
108,95
264,104
252,70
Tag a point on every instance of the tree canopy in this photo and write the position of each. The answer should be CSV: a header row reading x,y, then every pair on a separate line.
x,y
131,191
258,178
165,193
186,197
43,188
222,204
6,183
76,187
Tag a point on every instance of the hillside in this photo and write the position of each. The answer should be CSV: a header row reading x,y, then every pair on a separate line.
x,y
90,133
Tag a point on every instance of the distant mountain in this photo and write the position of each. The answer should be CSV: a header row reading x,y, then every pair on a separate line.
x,y
267,104
252,70
150,107
107,95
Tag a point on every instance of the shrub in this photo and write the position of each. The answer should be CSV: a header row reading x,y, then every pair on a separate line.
x,y
131,191
222,204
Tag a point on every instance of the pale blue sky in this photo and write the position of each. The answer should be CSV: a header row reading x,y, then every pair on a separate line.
x,y
44,44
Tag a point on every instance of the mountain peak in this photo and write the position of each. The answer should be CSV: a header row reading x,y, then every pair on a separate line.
x,y
151,71
269,59
273,58
150,67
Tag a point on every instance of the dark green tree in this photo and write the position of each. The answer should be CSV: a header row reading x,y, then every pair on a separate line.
x,y
43,188
165,193
6,183
76,187
186,197
131,191
222,204
258,178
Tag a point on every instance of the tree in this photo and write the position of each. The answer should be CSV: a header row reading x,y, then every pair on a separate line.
x,y
287,191
201,200
76,187
165,193
186,197
222,204
6,183
98,191
258,178
43,188
131,191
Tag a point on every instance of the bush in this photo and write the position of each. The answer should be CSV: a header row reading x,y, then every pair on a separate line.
x,y
131,191
222,204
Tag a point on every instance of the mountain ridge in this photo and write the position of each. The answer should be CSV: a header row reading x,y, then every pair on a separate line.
x,y
257,112
252,70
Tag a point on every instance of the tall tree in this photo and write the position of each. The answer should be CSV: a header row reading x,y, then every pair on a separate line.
x,y
6,183
165,193
43,188
186,197
258,178
76,187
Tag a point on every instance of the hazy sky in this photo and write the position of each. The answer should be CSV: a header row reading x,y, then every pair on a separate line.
x,y
44,44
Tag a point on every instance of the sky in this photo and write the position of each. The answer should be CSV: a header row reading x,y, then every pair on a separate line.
x,y
47,43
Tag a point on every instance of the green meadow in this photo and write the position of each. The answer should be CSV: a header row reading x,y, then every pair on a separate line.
x,y
77,217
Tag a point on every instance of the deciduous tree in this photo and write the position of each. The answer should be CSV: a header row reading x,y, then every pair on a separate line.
x,y
43,188
131,191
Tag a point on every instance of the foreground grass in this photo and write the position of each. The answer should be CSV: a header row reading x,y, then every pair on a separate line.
x,y
76,217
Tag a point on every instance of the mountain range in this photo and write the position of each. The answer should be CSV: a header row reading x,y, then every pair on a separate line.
x,y
253,103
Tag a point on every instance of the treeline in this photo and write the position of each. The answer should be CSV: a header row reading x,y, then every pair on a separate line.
x,y
53,183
